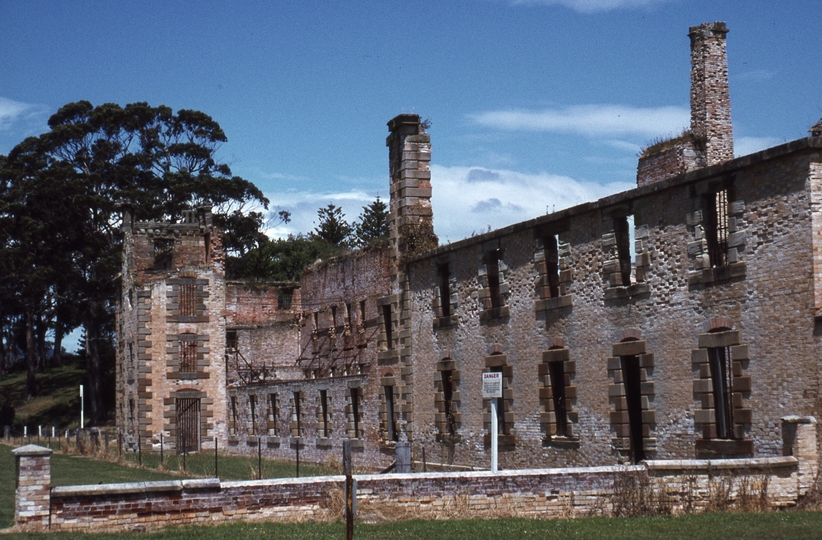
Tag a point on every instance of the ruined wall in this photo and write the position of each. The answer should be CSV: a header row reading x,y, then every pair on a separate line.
x,y
262,331
757,303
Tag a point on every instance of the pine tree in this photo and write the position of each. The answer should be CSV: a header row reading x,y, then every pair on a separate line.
x,y
373,224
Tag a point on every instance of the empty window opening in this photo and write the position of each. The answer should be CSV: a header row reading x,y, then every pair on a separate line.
x,y
362,312
131,410
207,245
325,424
624,232
721,365
557,374
231,340
448,400
492,274
298,414
390,423
188,300
444,279
348,314
551,252
631,378
252,406
130,346
188,353
163,250
389,331
188,425
273,415
284,297
316,321
717,227
333,316
355,412
232,428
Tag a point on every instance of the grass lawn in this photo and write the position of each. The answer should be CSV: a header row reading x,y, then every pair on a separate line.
x,y
58,397
794,525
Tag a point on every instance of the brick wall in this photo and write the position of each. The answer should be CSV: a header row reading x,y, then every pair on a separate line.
x,y
668,486
765,289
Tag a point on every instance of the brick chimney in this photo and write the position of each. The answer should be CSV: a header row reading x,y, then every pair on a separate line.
x,y
710,96
710,138
409,156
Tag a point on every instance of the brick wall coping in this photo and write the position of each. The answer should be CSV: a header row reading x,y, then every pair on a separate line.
x,y
795,419
503,474
721,464
284,481
137,487
32,450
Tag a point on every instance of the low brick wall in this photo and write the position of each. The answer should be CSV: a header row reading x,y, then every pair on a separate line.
x,y
662,486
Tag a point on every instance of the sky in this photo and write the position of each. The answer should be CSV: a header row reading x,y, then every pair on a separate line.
x,y
535,105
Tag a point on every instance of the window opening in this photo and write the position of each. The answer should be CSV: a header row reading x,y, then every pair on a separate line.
x,y
390,426
355,411
284,297
252,405
163,249
557,373
273,414
492,273
326,429
233,427
316,321
188,300
231,340
348,314
362,312
188,353
624,232
631,380
444,276
718,227
298,413
386,319
551,252
448,399
333,317
721,366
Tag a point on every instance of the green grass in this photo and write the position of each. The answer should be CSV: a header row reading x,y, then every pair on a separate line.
x,y
794,525
58,397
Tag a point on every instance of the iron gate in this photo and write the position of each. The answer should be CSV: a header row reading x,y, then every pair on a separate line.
x,y
188,425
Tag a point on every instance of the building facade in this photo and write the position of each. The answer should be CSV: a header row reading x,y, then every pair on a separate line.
x,y
676,320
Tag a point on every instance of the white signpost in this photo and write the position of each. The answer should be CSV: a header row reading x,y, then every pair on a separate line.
x,y
82,409
492,388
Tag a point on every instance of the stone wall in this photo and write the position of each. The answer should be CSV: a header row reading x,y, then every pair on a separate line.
x,y
762,294
654,486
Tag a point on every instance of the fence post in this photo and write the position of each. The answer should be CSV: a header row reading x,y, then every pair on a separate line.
x,y
33,496
349,491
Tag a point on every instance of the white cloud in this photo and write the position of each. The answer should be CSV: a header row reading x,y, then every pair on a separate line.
x,y
13,111
748,145
466,200
592,6
590,120
469,200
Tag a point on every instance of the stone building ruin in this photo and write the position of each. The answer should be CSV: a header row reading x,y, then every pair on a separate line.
x,y
680,319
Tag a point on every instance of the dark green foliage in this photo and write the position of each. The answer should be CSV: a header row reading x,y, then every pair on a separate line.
x,y
373,225
282,259
332,227
6,413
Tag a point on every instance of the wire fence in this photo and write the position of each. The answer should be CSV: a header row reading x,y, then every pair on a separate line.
x,y
114,446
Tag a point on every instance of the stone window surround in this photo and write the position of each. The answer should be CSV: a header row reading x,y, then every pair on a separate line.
x,y
611,267
701,272
324,441
441,321
564,265
496,360
173,356
173,296
558,352
446,363
297,424
719,333
630,344
273,414
487,312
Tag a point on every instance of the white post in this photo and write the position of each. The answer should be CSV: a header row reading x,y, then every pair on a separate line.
x,y
39,430
52,432
494,434
25,431
82,409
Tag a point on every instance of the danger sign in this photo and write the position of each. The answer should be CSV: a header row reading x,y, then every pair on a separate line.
x,y
492,385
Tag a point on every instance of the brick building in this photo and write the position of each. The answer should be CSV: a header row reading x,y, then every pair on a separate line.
x,y
675,320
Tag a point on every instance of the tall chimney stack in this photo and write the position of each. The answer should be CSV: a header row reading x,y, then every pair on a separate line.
x,y
710,96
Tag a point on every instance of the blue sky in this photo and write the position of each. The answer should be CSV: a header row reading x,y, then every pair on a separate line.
x,y
535,105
